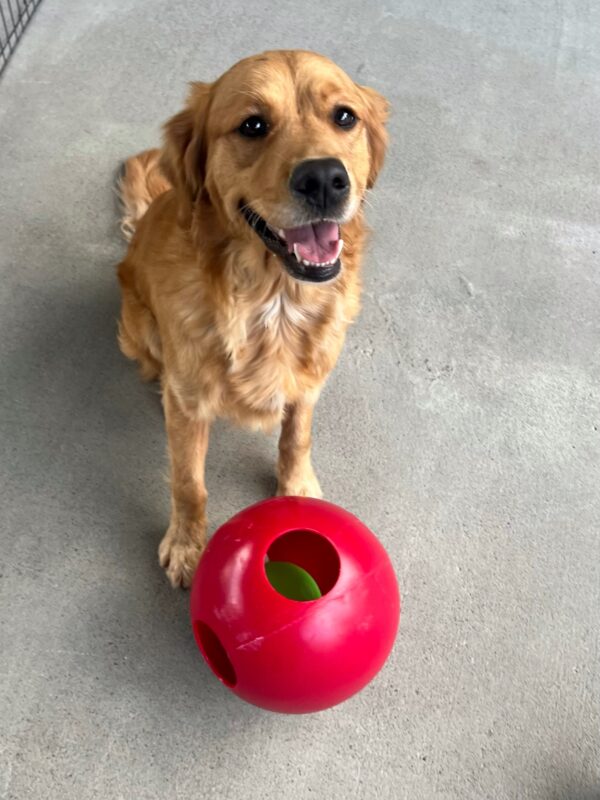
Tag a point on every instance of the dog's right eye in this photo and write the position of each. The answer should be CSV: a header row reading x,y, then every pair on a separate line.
x,y
253,127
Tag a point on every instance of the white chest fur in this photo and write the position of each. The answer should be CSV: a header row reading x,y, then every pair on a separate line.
x,y
281,313
263,371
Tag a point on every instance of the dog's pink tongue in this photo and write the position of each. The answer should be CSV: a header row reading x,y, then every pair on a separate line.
x,y
317,243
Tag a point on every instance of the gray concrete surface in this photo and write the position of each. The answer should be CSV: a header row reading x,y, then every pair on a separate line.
x,y
462,423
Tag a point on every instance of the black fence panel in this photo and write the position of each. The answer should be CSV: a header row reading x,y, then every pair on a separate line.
x,y
14,18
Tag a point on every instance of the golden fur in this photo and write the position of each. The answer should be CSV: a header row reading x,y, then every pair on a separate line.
x,y
206,307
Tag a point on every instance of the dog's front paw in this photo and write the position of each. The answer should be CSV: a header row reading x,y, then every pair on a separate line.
x,y
304,485
180,551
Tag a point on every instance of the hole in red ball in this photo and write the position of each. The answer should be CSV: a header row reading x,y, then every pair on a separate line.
x,y
215,654
311,552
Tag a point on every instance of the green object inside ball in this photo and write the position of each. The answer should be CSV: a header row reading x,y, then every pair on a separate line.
x,y
292,581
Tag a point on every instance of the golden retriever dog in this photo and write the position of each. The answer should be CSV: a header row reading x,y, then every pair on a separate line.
x,y
243,270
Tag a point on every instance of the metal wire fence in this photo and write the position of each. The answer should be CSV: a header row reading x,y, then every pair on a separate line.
x,y
14,18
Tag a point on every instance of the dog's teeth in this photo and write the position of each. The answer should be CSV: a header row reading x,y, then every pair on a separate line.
x,y
307,263
281,233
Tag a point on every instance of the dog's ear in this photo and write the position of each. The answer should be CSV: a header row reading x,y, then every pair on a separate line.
x,y
375,119
184,149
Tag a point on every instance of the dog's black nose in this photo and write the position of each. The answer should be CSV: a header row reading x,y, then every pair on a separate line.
x,y
322,183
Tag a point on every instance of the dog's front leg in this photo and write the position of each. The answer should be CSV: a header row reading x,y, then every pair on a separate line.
x,y
182,545
295,473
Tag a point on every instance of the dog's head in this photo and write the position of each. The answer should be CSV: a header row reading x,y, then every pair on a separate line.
x,y
284,145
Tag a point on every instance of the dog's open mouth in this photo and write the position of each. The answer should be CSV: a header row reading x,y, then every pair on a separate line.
x,y
309,253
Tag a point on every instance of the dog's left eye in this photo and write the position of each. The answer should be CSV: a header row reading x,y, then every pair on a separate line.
x,y
344,117
254,127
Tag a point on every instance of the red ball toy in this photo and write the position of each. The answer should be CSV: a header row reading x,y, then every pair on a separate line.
x,y
295,605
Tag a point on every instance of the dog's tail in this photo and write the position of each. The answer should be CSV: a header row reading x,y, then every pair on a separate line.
x,y
140,182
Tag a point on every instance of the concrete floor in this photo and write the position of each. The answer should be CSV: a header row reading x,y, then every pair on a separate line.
x,y
462,423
